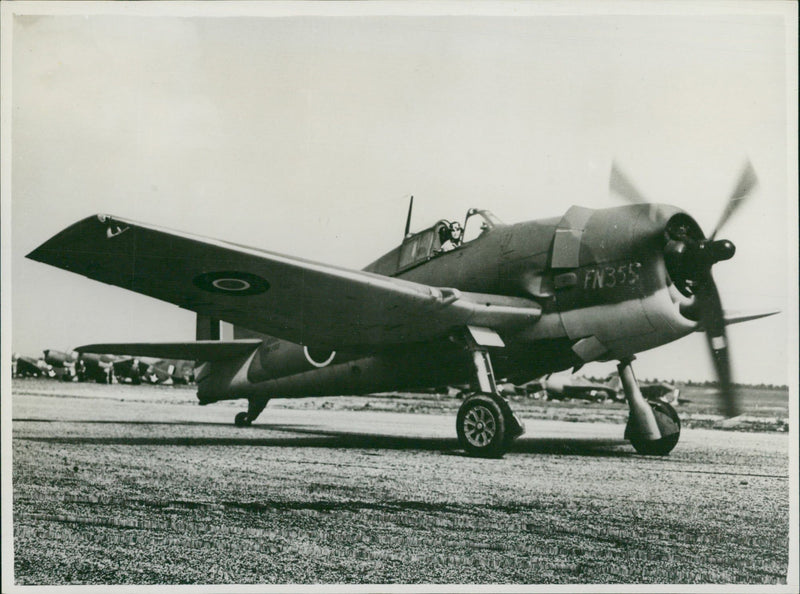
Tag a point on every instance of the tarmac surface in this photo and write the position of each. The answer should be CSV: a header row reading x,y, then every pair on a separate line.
x,y
139,485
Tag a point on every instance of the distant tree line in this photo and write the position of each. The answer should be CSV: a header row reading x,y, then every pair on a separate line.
x,y
699,384
713,384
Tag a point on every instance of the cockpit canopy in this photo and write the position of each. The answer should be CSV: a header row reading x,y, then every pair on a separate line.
x,y
438,239
477,222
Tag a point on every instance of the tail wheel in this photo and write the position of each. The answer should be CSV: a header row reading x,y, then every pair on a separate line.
x,y
669,424
241,420
482,427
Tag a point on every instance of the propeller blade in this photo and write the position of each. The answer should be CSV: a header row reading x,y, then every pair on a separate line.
x,y
712,319
747,181
622,186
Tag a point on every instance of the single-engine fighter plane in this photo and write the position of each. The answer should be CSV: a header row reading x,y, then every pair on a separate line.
x,y
661,391
30,367
128,369
64,363
102,368
560,386
171,371
451,304
95,367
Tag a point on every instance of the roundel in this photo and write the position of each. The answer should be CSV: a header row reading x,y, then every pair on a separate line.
x,y
231,282
318,358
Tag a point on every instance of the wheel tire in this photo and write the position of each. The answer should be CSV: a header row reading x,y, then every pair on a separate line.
x,y
481,427
241,420
668,421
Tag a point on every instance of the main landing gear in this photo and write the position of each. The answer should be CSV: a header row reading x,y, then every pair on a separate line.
x,y
254,408
485,424
653,426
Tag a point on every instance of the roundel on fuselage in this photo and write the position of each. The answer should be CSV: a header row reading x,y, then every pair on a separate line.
x,y
231,282
318,357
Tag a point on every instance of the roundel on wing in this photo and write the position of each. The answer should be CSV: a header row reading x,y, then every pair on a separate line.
x,y
231,282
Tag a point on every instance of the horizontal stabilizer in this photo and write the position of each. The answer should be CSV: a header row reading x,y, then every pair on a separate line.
x,y
201,350
734,317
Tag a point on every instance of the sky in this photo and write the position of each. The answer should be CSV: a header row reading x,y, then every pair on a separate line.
x,y
306,134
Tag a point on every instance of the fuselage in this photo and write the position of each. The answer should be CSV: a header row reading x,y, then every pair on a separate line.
x,y
599,277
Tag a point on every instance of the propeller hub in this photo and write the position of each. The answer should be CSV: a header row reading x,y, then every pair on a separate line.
x,y
702,255
689,256
720,250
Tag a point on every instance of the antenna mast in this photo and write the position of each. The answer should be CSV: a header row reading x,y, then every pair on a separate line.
x,y
408,218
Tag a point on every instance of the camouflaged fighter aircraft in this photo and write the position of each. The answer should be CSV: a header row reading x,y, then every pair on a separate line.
x,y
102,368
561,386
451,303
30,367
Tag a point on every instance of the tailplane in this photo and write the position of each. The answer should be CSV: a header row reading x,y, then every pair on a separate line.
x,y
199,350
206,348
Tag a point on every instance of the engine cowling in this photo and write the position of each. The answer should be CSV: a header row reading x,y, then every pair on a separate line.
x,y
613,290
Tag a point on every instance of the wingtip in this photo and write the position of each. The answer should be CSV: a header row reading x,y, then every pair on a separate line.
x,y
40,253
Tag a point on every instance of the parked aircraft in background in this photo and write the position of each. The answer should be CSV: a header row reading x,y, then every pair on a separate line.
x,y
665,391
171,371
101,368
561,386
63,363
95,367
30,367
132,370
450,303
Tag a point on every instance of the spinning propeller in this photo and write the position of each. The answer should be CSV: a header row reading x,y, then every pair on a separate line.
x,y
689,257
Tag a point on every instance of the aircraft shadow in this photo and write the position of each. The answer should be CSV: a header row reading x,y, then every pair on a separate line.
x,y
309,437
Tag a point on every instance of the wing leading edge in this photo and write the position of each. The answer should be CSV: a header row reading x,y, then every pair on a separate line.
x,y
298,300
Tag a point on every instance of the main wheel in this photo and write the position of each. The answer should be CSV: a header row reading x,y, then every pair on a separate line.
x,y
481,427
241,420
669,424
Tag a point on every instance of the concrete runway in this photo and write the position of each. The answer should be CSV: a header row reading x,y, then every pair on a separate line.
x,y
123,484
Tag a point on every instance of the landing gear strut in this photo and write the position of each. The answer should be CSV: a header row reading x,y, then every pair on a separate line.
x,y
653,426
485,423
254,408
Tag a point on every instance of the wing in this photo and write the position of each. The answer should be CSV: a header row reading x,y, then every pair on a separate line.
x,y
298,300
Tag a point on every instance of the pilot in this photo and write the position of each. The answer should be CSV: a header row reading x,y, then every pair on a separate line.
x,y
449,235
455,232
445,236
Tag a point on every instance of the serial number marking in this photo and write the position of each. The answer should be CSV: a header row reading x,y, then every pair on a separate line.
x,y
599,277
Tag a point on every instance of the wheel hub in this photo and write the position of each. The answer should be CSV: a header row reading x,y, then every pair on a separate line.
x,y
479,426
